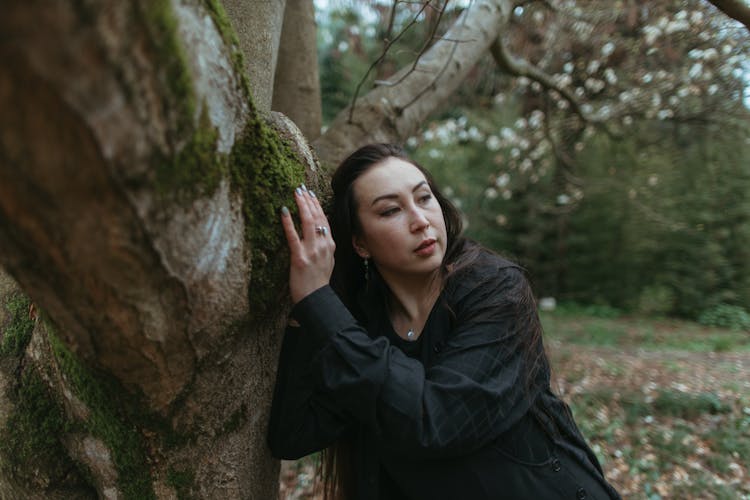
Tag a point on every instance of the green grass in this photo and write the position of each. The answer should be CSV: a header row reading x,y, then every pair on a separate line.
x,y
570,326
666,440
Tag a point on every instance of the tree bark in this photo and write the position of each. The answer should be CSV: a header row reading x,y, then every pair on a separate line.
x,y
391,113
296,91
258,27
132,214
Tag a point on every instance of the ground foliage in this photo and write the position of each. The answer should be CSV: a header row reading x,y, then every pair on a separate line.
x,y
665,405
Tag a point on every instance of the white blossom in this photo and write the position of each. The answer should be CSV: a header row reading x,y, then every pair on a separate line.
x,y
475,134
594,84
502,180
593,66
536,118
652,33
501,220
493,143
675,26
568,67
490,193
610,75
608,48
563,199
695,70
664,114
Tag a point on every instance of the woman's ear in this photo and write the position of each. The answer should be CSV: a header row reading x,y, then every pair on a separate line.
x,y
360,248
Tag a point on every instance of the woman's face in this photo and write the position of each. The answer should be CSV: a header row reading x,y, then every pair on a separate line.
x,y
403,229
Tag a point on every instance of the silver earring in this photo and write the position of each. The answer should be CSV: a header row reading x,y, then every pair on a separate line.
x,y
367,268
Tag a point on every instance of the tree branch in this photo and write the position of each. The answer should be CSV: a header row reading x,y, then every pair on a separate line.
x,y
520,67
738,10
391,113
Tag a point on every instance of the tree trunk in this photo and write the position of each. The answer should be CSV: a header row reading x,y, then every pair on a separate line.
x,y
138,199
296,91
258,26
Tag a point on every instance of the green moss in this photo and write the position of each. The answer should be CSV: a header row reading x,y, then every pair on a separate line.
x,y
265,171
182,481
162,29
197,169
109,420
16,335
31,437
228,35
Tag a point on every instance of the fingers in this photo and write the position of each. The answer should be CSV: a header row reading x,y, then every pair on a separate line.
x,y
310,212
292,238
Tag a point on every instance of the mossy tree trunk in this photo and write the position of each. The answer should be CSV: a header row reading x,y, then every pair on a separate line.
x,y
139,188
138,196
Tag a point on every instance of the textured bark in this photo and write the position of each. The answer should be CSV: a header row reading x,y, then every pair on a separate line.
x,y
393,113
258,26
118,217
297,84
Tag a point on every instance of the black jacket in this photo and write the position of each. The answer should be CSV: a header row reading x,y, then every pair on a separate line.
x,y
450,416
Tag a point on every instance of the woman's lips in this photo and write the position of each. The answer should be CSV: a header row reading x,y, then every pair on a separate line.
x,y
426,249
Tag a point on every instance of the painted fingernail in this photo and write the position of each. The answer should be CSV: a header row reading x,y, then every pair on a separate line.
x,y
298,191
284,211
304,188
312,193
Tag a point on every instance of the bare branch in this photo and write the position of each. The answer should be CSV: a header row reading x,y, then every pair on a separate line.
x,y
736,9
520,67
425,46
390,113
377,62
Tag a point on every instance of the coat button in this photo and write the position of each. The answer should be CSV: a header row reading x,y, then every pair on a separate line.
x,y
556,465
580,494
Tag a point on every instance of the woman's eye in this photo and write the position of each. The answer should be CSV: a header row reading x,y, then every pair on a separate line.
x,y
425,198
389,212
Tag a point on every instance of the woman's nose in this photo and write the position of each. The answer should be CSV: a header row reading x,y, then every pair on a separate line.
x,y
418,222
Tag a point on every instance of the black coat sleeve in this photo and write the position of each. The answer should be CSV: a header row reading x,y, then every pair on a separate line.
x,y
475,390
299,423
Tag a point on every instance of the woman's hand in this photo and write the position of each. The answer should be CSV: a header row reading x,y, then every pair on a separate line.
x,y
311,254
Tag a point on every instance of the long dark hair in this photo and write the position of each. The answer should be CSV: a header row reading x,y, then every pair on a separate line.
x,y
348,280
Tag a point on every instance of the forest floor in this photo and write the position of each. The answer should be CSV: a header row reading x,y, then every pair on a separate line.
x,y
665,404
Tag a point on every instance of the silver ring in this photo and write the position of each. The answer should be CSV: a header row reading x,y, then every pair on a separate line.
x,y
321,230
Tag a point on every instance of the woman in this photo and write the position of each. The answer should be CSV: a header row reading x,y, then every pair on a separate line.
x,y
424,372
